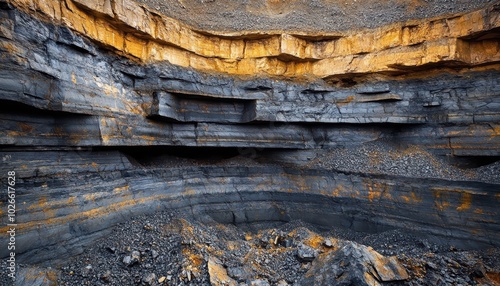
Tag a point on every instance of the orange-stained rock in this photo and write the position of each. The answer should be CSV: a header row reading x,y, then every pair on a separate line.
x,y
133,30
101,6
218,274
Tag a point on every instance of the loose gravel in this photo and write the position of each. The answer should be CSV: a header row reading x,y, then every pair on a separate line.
x,y
385,158
302,15
174,249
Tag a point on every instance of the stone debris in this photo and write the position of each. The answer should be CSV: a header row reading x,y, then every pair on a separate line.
x,y
106,276
134,257
33,276
328,243
149,278
282,283
306,253
218,274
237,257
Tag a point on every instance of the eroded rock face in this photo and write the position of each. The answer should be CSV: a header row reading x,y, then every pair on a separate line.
x,y
88,88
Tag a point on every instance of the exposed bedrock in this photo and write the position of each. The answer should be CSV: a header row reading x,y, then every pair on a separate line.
x,y
91,101
87,97
65,199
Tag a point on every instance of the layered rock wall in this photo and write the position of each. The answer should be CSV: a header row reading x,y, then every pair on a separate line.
x,y
82,81
70,198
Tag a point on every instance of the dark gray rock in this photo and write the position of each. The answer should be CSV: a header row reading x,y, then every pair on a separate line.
x,y
306,253
67,73
479,271
353,264
240,273
149,279
78,123
35,276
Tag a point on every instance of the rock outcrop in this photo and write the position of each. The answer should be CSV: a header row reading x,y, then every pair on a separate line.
x,y
94,93
353,264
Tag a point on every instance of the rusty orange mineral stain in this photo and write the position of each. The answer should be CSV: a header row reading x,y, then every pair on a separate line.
x,y
148,138
440,199
12,133
25,127
314,241
373,194
377,190
42,203
346,101
195,259
189,192
120,189
494,277
412,198
465,202
89,214
495,131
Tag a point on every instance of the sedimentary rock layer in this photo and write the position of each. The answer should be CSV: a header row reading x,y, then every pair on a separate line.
x,y
122,102
135,31
78,76
67,198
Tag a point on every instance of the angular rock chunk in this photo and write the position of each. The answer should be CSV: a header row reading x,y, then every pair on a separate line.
x,y
218,274
306,253
354,264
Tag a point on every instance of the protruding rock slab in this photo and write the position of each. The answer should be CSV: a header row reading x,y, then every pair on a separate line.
x,y
354,264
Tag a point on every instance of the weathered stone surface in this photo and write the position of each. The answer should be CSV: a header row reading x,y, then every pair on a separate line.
x,y
218,274
186,108
126,26
68,198
306,253
123,103
83,82
354,264
36,276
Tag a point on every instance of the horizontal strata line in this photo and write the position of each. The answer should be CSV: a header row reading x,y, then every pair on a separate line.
x,y
137,32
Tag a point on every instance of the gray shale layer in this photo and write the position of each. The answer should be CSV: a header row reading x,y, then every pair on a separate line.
x,y
83,156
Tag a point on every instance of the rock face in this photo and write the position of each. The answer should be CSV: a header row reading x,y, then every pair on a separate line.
x,y
96,94
354,264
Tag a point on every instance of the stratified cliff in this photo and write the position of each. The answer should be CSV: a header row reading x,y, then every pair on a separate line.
x,y
101,98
